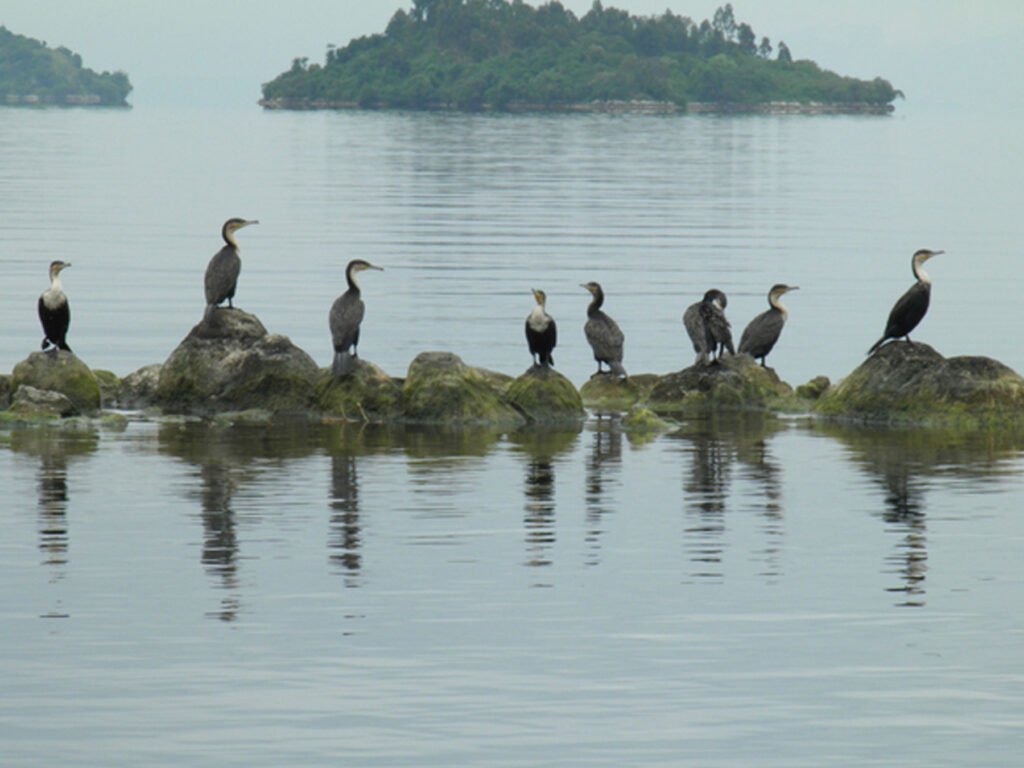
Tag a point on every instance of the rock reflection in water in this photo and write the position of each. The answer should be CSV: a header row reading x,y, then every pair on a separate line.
x,y
227,460
906,463
603,464
541,447
713,446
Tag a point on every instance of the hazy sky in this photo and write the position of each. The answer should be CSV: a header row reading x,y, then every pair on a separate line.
x,y
941,53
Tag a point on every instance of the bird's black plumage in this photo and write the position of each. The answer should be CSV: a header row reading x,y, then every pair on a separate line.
x,y
54,312
541,332
763,331
604,335
221,278
707,326
912,305
345,317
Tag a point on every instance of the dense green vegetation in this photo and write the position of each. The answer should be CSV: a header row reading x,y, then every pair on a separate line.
x,y
473,54
31,73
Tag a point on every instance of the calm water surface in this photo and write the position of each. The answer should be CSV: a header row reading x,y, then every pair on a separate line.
x,y
757,592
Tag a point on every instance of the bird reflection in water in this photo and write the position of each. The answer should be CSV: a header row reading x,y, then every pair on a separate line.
x,y
706,491
759,466
603,463
220,541
904,502
344,539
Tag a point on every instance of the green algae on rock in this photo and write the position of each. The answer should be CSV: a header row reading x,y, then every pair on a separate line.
x,y
911,383
616,393
366,394
642,418
59,371
544,396
733,383
440,388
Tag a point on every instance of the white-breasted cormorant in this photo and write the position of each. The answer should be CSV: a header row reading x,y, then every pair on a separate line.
x,y
603,333
707,327
344,318
54,313
541,333
222,271
763,331
912,305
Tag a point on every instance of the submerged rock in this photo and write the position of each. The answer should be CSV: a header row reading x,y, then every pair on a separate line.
x,y
229,362
366,394
59,371
642,418
545,396
616,393
733,383
440,388
914,384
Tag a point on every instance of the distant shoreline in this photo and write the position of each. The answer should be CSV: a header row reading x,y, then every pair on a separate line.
x,y
635,107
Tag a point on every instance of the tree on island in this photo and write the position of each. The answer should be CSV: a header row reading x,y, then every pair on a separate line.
x,y
499,54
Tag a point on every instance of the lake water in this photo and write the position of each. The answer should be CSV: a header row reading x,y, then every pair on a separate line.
x,y
757,591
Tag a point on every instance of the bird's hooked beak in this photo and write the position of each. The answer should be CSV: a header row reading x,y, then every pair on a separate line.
x,y
247,223
587,286
793,288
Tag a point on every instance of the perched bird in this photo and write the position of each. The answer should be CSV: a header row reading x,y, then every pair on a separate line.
x,y
541,333
912,305
54,313
603,333
222,271
708,329
763,331
345,316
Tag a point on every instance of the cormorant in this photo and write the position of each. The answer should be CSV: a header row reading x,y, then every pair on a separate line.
x,y
222,271
53,310
763,331
541,333
603,333
708,329
344,318
913,304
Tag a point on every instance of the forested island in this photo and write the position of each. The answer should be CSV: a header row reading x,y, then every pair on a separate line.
x,y
32,73
507,55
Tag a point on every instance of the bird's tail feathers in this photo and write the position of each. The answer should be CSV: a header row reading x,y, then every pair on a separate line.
x,y
344,364
617,368
208,312
877,344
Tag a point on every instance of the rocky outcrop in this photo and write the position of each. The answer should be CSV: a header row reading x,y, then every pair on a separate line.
x,y
230,363
138,389
733,383
59,371
32,402
544,396
366,394
603,391
440,388
905,383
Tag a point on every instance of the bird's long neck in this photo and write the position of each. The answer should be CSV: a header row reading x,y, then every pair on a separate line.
x,y
229,237
350,278
920,274
774,301
596,302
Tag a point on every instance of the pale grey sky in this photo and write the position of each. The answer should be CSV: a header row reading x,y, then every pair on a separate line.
x,y
942,53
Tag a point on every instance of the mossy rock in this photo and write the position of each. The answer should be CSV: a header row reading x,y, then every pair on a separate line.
x,y
731,384
230,363
59,371
545,396
5,391
110,387
138,388
814,388
642,419
31,402
366,394
616,393
911,383
441,389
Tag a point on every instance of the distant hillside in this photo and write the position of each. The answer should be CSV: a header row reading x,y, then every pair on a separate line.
x,y
31,73
497,54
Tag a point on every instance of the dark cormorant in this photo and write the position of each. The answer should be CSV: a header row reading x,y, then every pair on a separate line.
x,y
344,318
53,310
603,333
913,304
541,333
763,331
222,271
708,329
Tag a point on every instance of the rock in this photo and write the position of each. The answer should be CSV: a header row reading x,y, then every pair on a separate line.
x,y
366,394
913,384
440,388
814,388
230,363
641,417
138,389
30,401
59,371
545,396
5,391
616,393
733,383
110,387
